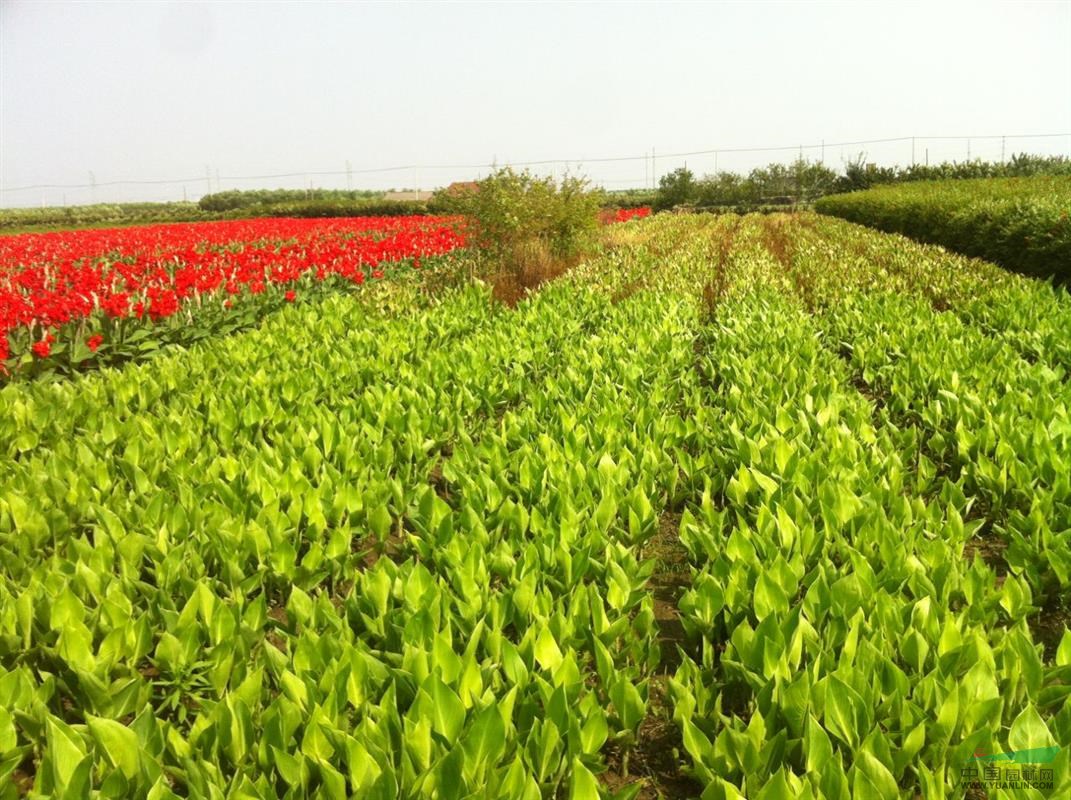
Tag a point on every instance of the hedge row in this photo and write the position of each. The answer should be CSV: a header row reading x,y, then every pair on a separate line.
x,y
101,214
1023,224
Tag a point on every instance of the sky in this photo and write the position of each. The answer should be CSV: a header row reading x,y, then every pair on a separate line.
x,y
99,92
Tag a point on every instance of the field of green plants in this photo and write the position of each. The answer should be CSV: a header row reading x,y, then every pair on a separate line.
x,y
742,506
1020,223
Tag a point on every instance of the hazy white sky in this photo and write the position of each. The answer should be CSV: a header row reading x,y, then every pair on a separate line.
x,y
156,90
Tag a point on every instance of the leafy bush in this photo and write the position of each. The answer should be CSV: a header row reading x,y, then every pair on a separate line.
x,y
508,208
1020,223
774,184
532,228
678,188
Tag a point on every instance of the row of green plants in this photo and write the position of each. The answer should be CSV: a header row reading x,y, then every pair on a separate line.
x,y
845,640
851,646
877,576
411,550
99,215
995,413
235,199
1023,224
345,553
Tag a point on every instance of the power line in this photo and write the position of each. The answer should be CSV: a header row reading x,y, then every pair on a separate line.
x,y
715,151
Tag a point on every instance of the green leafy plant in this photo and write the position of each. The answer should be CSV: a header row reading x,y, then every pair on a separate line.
x,y
532,228
1021,223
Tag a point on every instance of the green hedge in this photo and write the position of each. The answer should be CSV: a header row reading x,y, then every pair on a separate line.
x,y
101,214
630,198
336,208
233,199
1020,223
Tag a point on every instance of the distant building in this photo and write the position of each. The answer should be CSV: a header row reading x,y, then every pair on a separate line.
x,y
457,187
415,196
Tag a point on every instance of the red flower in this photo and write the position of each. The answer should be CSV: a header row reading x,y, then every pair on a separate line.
x,y
227,304
94,341
377,273
117,305
291,296
43,348
164,304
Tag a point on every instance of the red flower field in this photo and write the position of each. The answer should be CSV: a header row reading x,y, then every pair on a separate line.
x,y
64,281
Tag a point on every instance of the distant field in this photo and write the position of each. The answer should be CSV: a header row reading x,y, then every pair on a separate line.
x,y
1021,223
742,506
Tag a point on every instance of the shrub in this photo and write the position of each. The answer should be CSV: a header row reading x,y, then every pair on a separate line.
x,y
532,228
678,188
1020,223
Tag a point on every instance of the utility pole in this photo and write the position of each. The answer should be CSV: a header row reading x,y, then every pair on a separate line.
x,y
349,177
927,156
968,149
823,152
654,171
184,199
715,162
912,151
1002,142
208,179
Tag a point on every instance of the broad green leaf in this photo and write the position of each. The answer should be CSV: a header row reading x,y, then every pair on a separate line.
x,y
120,743
547,652
1029,731
582,785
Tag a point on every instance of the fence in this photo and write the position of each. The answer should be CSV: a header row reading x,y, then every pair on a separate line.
x,y
612,172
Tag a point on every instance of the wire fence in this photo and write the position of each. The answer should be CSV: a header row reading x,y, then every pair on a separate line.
x,y
612,172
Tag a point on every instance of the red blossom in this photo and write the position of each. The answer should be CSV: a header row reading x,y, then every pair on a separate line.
x,y
43,348
94,341
290,296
